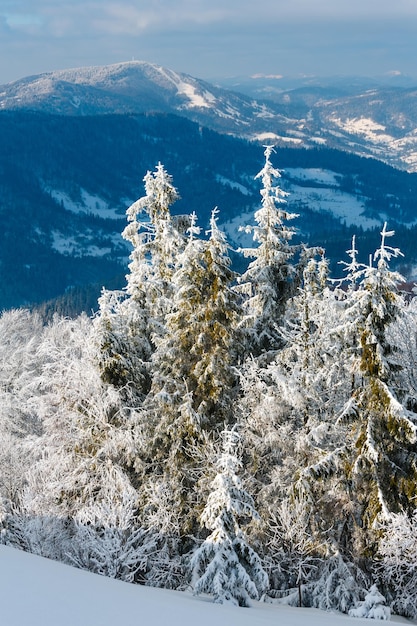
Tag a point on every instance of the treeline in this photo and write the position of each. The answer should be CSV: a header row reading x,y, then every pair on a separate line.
x,y
245,434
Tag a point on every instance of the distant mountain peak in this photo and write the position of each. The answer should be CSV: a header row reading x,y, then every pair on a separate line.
x,y
365,118
132,86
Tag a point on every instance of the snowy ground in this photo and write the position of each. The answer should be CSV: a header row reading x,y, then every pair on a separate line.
x,y
38,592
344,206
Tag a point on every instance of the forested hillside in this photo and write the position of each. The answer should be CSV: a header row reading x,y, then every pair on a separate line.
x,y
244,433
66,183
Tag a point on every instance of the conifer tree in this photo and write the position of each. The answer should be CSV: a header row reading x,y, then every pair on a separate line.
x,y
225,566
156,243
373,607
268,281
122,341
377,454
289,408
194,378
129,321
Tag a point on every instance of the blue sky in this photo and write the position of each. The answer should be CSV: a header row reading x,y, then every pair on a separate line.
x,y
211,38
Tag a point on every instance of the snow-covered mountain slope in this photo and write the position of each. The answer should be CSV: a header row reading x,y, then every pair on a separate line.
x,y
379,121
39,592
314,194
132,87
67,181
368,116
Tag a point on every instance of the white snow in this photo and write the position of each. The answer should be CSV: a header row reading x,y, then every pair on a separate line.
x,y
365,127
339,203
239,238
39,592
274,137
195,99
321,176
79,245
266,137
89,203
330,199
231,183
263,111
380,143
205,100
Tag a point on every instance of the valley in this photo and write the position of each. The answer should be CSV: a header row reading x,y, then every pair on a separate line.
x,y
76,145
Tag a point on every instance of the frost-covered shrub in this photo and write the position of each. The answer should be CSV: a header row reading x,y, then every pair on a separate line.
x,y
398,566
168,568
373,607
46,536
292,557
113,552
108,541
340,586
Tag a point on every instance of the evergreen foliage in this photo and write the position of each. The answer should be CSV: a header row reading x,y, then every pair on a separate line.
x,y
225,566
378,457
268,279
373,607
110,426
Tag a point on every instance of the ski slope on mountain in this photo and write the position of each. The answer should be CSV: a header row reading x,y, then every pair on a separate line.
x,y
40,592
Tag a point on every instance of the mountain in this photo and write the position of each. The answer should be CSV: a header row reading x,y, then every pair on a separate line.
x,y
66,181
274,86
133,87
77,143
365,117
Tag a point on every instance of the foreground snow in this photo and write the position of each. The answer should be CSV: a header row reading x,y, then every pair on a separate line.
x,y
40,592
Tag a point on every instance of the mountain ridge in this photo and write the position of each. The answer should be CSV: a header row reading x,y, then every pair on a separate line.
x,y
380,122
70,167
66,182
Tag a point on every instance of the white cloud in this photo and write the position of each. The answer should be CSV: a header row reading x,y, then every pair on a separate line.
x,y
128,16
209,38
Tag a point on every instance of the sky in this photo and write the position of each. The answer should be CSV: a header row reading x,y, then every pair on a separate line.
x,y
211,38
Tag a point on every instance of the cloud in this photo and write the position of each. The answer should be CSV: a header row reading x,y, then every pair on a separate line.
x,y
67,17
210,37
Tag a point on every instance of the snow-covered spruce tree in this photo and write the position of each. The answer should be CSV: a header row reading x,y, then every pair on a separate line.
x,y
193,375
269,279
310,362
338,585
291,395
212,308
313,373
156,242
123,346
225,566
377,456
403,334
129,321
288,409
